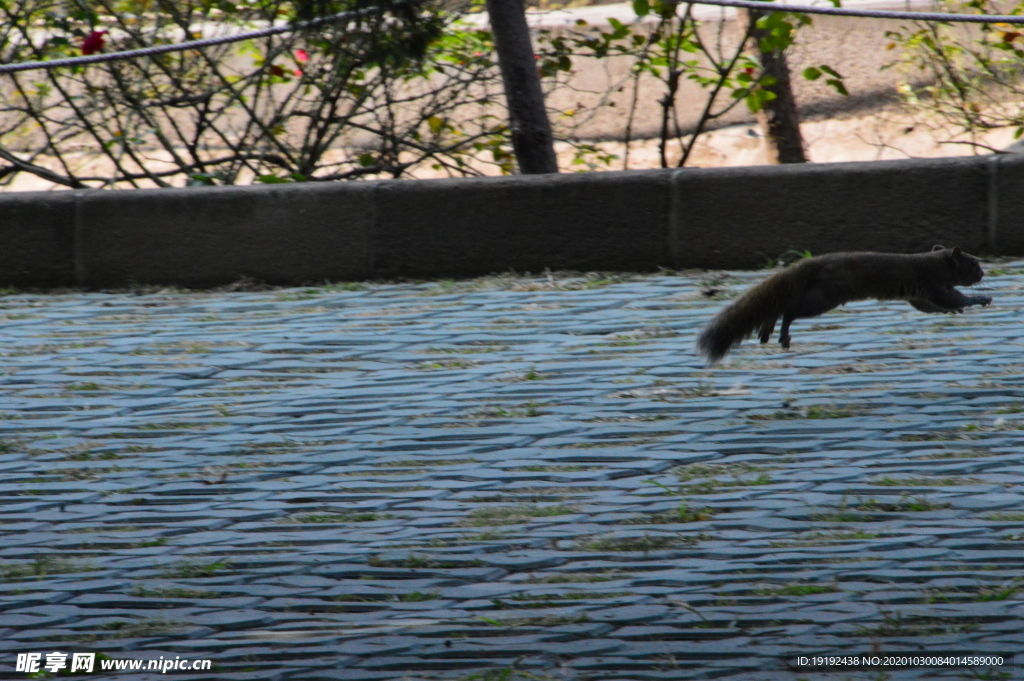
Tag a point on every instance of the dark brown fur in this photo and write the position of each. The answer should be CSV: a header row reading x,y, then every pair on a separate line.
x,y
814,286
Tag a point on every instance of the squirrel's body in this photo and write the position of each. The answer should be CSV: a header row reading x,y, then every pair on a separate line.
x,y
816,285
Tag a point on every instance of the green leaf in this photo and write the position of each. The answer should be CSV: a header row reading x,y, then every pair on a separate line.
x,y
272,179
200,180
838,85
641,7
493,622
668,490
621,30
812,73
665,8
757,99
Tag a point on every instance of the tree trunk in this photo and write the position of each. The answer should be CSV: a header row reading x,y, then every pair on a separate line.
x,y
531,131
778,119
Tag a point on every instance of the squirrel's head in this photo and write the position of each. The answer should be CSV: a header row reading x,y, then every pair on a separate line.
x,y
967,268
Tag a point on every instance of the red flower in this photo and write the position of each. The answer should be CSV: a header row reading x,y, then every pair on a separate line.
x,y
301,56
93,42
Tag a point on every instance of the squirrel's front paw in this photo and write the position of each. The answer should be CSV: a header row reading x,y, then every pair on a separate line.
x,y
985,300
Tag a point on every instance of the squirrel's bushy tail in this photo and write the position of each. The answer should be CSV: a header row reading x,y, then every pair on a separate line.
x,y
763,304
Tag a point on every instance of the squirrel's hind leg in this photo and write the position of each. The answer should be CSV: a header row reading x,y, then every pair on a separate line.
x,y
811,302
784,331
766,330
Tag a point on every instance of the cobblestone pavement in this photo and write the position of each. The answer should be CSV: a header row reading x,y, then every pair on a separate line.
x,y
502,479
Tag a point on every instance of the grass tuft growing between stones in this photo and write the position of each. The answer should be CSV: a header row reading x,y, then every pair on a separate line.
x,y
895,624
797,590
580,577
416,463
468,349
447,364
663,391
550,281
951,481
414,561
542,621
41,567
861,511
643,544
189,570
157,626
961,454
683,514
88,386
122,629
983,594
904,505
511,515
715,486
352,517
825,538
1006,516
712,470
176,592
814,411
528,410
87,455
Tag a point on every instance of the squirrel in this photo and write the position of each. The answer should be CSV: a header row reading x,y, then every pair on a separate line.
x,y
816,285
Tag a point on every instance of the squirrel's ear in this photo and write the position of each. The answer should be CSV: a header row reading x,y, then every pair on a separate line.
x,y
956,251
936,247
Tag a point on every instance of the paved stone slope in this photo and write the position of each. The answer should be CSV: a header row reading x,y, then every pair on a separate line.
x,y
515,478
